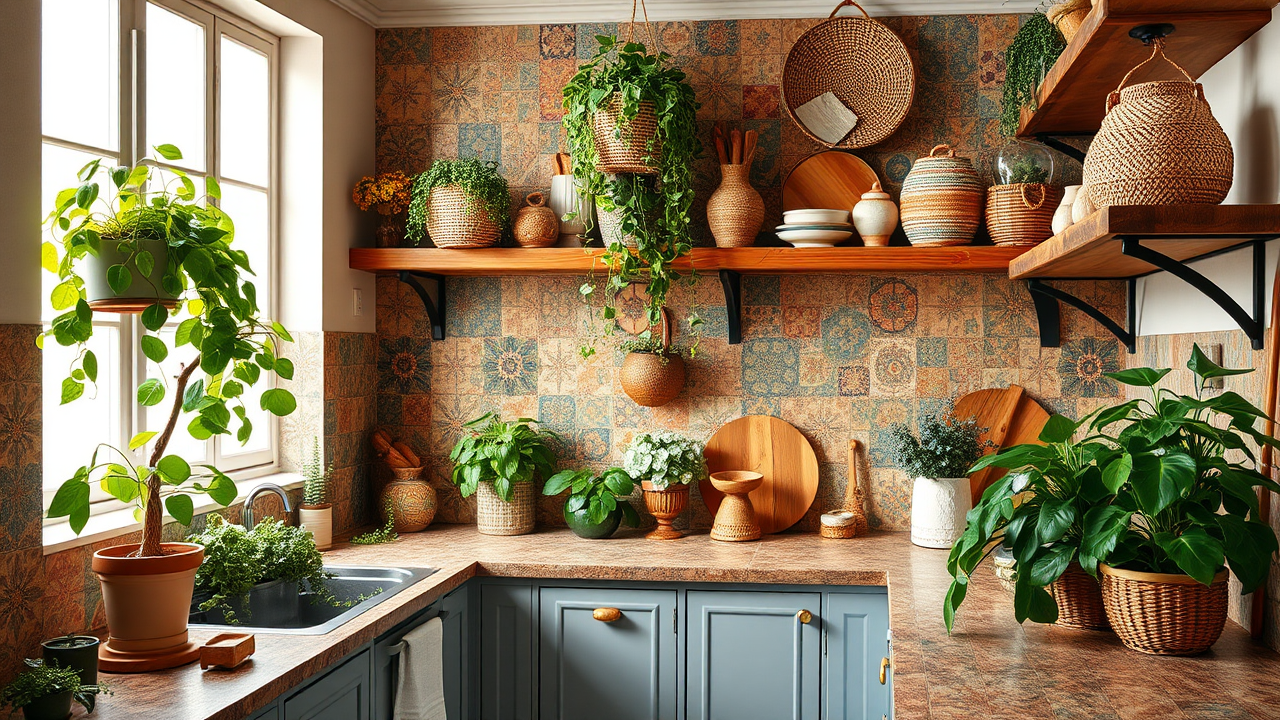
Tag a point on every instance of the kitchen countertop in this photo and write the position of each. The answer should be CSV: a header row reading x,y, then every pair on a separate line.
x,y
991,668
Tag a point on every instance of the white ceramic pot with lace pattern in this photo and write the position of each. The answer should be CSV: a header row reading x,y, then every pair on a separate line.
x,y
938,508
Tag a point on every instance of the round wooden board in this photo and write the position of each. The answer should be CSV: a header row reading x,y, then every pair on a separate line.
x,y
776,450
828,180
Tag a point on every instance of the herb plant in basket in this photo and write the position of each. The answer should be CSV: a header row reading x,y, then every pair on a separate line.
x,y
168,254
665,463
939,460
597,504
459,204
498,461
316,512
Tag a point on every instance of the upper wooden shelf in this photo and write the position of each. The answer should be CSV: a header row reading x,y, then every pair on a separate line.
x,y
1092,247
1072,99
748,260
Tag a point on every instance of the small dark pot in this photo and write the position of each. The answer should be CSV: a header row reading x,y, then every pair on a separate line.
x,y
79,652
49,707
582,526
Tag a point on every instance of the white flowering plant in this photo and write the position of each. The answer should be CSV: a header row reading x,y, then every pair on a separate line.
x,y
664,459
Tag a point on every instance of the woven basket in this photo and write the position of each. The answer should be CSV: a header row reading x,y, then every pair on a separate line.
x,y
1021,213
494,516
625,149
941,201
1079,600
1159,145
736,519
536,224
1164,614
651,379
735,211
1069,16
863,63
456,220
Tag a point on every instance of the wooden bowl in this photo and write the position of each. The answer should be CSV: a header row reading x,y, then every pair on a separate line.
x,y
736,481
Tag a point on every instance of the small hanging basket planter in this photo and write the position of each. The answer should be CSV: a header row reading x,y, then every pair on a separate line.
x,y
624,145
653,379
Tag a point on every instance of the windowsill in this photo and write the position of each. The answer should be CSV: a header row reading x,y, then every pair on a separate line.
x,y
59,536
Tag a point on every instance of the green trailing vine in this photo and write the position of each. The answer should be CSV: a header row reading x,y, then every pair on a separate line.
x,y
655,210
385,534
1028,58
480,180
647,342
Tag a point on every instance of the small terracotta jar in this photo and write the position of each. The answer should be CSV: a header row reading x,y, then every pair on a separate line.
x,y
875,216
536,224
410,501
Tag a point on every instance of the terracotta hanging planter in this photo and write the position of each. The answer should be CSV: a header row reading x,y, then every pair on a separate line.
x,y
653,379
147,600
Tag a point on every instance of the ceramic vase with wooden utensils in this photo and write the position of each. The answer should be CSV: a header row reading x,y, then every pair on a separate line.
x,y
735,211
566,200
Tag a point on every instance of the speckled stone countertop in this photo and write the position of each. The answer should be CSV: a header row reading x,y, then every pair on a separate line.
x,y
991,668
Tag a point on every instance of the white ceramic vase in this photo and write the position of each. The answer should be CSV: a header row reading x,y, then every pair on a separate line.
x,y
319,520
1062,216
1082,207
875,216
564,200
938,507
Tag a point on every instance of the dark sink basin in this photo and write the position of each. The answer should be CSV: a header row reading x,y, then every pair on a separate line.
x,y
286,609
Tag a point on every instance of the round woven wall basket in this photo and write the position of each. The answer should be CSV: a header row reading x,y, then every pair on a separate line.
x,y
941,200
863,63
456,220
1021,213
625,149
1163,614
1079,600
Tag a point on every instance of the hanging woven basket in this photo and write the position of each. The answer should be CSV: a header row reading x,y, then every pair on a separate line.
x,y
1021,214
653,379
623,146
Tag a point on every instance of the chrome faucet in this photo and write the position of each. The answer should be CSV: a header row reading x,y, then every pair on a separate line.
x,y
246,515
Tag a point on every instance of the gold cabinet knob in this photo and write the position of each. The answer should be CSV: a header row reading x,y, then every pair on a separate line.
x,y
805,617
884,667
606,614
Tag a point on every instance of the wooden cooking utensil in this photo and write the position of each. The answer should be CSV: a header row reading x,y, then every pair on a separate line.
x,y
828,180
1011,418
776,450
850,519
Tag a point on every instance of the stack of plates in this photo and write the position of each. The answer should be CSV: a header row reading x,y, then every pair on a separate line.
x,y
814,228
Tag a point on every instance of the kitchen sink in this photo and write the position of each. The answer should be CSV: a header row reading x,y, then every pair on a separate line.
x,y
287,609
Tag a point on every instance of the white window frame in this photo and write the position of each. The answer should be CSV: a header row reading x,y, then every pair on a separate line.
x,y
133,144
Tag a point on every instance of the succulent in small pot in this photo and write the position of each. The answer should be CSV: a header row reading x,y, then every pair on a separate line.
x,y
652,372
459,204
939,460
665,463
499,461
597,504
45,691
316,512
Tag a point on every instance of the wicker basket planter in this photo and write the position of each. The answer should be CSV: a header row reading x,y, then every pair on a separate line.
x,y
625,149
941,200
456,220
1021,213
653,379
1163,614
1079,599
494,516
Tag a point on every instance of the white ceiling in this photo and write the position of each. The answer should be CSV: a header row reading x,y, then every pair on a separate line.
x,y
434,13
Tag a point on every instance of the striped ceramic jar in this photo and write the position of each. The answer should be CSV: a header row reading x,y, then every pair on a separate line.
x,y
941,200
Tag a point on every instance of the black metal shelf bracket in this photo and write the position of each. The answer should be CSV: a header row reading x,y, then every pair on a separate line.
x,y
1046,299
1067,149
731,281
435,309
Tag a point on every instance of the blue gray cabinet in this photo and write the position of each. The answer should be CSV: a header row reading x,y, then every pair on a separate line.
x,y
339,694
452,611
506,651
857,630
270,712
607,653
753,655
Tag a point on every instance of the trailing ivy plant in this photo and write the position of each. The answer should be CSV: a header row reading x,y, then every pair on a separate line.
x,y
1034,49
654,210
501,453
131,208
385,534
480,180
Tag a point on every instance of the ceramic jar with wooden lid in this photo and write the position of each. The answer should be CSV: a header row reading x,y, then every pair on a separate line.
x,y
941,199
536,224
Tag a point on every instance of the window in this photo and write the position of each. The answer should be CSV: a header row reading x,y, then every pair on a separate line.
x,y
150,72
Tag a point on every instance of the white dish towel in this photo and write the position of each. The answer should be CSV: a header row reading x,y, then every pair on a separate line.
x,y
420,694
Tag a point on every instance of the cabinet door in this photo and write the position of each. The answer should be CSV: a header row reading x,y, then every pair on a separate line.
x,y
857,627
340,694
506,652
270,712
750,657
386,662
624,669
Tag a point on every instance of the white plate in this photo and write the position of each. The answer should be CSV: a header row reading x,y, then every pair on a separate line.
x,y
815,217
813,238
816,226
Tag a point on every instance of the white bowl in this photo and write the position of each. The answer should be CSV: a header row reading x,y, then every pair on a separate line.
x,y
813,238
815,217
816,226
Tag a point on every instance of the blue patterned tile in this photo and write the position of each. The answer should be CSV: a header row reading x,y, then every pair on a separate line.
x,y
510,366
770,366
761,290
404,365
480,140
716,37
557,412
557,41
586,37
475,306
1083,365
931,352
594,444
845,334
1006,309
594,412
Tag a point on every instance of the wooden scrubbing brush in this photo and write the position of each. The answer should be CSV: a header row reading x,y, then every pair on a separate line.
x,y
850,519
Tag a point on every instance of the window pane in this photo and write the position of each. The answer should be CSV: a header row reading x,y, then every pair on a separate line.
x,y
72,431
181,443
245,114
80,97
58,172
248,209
175,84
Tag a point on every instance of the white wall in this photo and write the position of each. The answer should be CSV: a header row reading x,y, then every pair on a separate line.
x,y
1244,92
20,161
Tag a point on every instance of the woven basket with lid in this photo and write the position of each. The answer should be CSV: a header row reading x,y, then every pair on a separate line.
x,y
941,201
1021,213
1161,614
457,220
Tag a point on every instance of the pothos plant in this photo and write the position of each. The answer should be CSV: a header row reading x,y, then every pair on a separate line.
x,y
501,454
599,494
133,210
654,210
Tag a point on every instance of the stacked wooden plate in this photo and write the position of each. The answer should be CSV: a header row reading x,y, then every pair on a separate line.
x,y
814,227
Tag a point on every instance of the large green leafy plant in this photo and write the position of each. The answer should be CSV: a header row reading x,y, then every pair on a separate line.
x,y
131,208
598,494
656,211
500,453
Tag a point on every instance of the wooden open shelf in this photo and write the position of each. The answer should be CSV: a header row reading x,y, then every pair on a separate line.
x,y
1092,248
1072,99
749,260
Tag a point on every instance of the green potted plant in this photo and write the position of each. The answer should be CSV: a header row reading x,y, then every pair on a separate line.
x,y
631,121
653,371
316,512
498,461
939,460
459,204
665,463
1029,57
597,503
45,691
159,225
1021,203
78,652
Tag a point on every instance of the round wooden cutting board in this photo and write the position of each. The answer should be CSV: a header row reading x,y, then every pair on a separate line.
x,y
776,450
828,180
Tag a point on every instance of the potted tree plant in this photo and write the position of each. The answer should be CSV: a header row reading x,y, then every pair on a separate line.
x,y
235,348
597,503
665,463
45,691
316,512
631,121
939,460
459,204
498,461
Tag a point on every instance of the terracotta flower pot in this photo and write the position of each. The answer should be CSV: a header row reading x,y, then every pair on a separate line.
x,y
411,501
319,520
666,506
147,601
